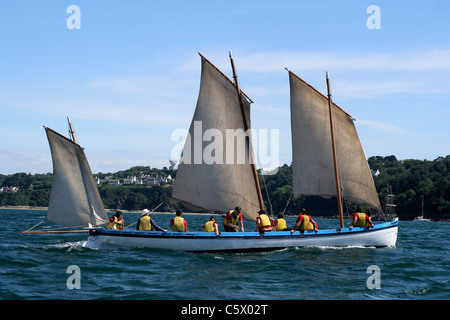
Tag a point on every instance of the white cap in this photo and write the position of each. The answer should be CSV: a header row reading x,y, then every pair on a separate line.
x,y
144,212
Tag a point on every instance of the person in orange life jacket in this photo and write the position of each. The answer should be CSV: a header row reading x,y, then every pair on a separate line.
x,y
263,222
361,219
178,223
146,223
232,218
305,222
280,223
211,226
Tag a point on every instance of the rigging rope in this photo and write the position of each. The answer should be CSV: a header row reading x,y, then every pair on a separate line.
x,y
290,198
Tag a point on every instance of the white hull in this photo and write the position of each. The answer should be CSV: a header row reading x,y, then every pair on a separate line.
x,y
382,235
421,218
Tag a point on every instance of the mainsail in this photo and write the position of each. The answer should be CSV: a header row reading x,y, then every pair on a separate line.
x,y
74,199
214,174
312,165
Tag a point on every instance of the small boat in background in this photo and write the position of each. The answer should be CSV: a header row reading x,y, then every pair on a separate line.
x,y
74,199
421,218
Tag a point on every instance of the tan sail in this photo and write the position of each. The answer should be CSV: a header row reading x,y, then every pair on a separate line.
x,y
74,199
312,165
213,173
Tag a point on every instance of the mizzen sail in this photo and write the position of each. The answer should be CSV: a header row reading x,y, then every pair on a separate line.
x,y
215,171
312,165
74,199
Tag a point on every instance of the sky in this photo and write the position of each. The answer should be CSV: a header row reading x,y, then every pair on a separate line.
x,y
128,73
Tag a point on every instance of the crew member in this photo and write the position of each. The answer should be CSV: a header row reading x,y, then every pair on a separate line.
x,y
232,218
305,222
146,223
263,222
110,224
178,223
280,223
118,221
211,226
361,219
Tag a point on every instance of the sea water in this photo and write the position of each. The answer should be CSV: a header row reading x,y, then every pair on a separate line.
x,y
56,266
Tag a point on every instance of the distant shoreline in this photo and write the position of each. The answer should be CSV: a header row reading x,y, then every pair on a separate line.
x,y
107,210
186,213
23,208
139,211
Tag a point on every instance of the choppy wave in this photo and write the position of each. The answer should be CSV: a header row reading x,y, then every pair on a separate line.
x,y
36,267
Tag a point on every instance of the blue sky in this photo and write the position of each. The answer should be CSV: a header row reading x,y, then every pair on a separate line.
x,y
130,76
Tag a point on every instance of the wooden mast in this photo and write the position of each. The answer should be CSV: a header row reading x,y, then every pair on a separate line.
x,y
71,132
247,127
336,170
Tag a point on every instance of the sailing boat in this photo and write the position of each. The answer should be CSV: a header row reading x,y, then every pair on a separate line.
x,y
74,199
317,145
220,185
227,181
422,217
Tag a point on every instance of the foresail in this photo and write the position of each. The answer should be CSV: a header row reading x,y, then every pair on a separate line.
x,y
74,199
312,165
214,173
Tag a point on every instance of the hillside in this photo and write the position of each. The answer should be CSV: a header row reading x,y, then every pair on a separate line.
x,y
409,179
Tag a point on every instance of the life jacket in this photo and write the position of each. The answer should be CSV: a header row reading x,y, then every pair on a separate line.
x,y
110,224
209,227
234,220
118,223
363,220
264,223
145,224
178,224
306,223
280,224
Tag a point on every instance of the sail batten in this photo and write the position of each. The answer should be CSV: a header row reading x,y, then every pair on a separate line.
x,y
74,198
214,173
312,165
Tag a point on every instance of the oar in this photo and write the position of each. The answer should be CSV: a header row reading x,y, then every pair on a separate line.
x,y
51,231
68,231
150,212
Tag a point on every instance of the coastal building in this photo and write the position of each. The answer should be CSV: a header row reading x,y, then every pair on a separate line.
x,y
9,189
114,182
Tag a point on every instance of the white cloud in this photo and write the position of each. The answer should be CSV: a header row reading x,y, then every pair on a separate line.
x,y
382,126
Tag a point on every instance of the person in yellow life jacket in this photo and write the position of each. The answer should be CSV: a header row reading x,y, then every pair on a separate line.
x,y
361,219
231,220
280,223
110,224
263,222
118,222
305,222
146,223
178,224
211,226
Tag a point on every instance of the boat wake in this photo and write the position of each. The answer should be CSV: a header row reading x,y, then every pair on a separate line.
x,y
70,246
